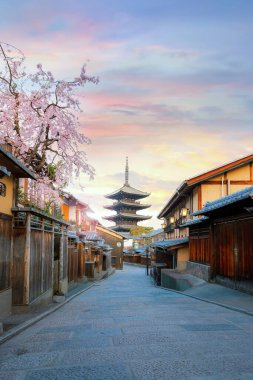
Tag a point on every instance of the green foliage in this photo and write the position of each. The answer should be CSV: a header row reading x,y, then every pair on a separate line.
x,y
51,171
139,230
49,206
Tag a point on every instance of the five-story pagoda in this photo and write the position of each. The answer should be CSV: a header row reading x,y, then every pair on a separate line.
x,y
126,206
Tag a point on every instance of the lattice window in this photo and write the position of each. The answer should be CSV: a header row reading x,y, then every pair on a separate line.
x,y
2,189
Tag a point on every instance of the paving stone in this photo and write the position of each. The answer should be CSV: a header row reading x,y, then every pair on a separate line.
x,y
174,368
89,341
128,329
209,327
112,372
40,337
69,328
32,361
16,375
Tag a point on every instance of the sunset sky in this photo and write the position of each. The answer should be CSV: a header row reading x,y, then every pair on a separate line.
x,y
176,84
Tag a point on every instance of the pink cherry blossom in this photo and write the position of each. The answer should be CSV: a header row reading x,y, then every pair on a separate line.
x,y
39,119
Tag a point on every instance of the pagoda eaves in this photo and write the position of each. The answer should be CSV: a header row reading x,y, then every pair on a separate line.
x,y
126,206
121,204
127,216
126,191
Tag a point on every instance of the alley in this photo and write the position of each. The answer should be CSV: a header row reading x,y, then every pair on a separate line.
x,y
125,328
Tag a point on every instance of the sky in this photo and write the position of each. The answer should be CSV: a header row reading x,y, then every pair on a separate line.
x,y
175,92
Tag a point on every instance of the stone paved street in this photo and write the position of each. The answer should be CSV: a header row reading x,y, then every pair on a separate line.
x,y
125,328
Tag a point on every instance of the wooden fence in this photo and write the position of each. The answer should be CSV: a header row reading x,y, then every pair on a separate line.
x,y
233,247
5,251
34,255
200,245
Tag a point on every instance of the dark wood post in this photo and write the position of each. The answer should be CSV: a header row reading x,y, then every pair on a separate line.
x,y
27,252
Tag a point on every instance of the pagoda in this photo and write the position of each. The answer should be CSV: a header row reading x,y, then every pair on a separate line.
x,y
126,206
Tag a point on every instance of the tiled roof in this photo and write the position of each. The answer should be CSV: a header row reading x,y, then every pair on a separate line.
x,y
122,204
169,243
141,250
226,201
110,231
128,190
122,228
90,235
73,235
15,166
154,233
125,215
187,185
191,222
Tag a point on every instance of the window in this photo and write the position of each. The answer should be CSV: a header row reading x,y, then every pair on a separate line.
x,y
2,189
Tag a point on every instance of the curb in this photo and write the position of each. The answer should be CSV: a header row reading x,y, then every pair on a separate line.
x,y
243,311
17,330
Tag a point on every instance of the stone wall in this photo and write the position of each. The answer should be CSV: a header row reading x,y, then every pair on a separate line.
x,y
199,270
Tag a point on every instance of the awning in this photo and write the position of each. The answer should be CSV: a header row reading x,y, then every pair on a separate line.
x,y
171,243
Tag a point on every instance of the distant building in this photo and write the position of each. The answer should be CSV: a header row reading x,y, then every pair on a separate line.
x,y
191,196
11,170
126,206
76,213
116,242
221,241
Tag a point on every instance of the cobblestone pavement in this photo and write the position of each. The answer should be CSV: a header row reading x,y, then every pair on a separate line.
x,y
125,328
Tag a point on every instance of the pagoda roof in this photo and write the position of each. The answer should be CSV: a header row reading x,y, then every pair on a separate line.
x,y
127,191
122,228
123,203
125,215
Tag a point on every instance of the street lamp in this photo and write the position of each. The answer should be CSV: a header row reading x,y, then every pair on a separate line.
x,y
147,261
184,212
172,219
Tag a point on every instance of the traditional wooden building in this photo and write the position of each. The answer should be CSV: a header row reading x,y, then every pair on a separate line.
x,y
126,206
116,241
98,256
40,256
222,240
139,252
76,213
11,170
193,194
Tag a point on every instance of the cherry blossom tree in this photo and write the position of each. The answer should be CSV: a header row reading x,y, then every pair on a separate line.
x,y
39,119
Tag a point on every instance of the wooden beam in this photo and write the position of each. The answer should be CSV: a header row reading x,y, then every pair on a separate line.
x,y
42,256
221,170
27,257
232,182
199,198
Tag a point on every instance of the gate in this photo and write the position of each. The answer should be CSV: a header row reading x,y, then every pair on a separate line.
x,y
5,251
233,248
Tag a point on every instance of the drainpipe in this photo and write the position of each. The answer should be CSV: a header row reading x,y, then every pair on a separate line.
x,y
228,187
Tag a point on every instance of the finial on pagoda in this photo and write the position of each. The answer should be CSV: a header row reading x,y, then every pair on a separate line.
x,y
126,172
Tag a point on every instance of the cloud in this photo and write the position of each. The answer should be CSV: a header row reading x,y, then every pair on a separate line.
x,y
175,91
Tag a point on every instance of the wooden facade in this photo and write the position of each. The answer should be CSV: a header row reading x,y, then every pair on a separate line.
x,y
77,256
5,253
200,245
116,242
233,247
72,260
192,195
11,170
39,256
224,241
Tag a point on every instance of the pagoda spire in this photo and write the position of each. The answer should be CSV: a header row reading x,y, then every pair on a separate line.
x,y
126,173
126,206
